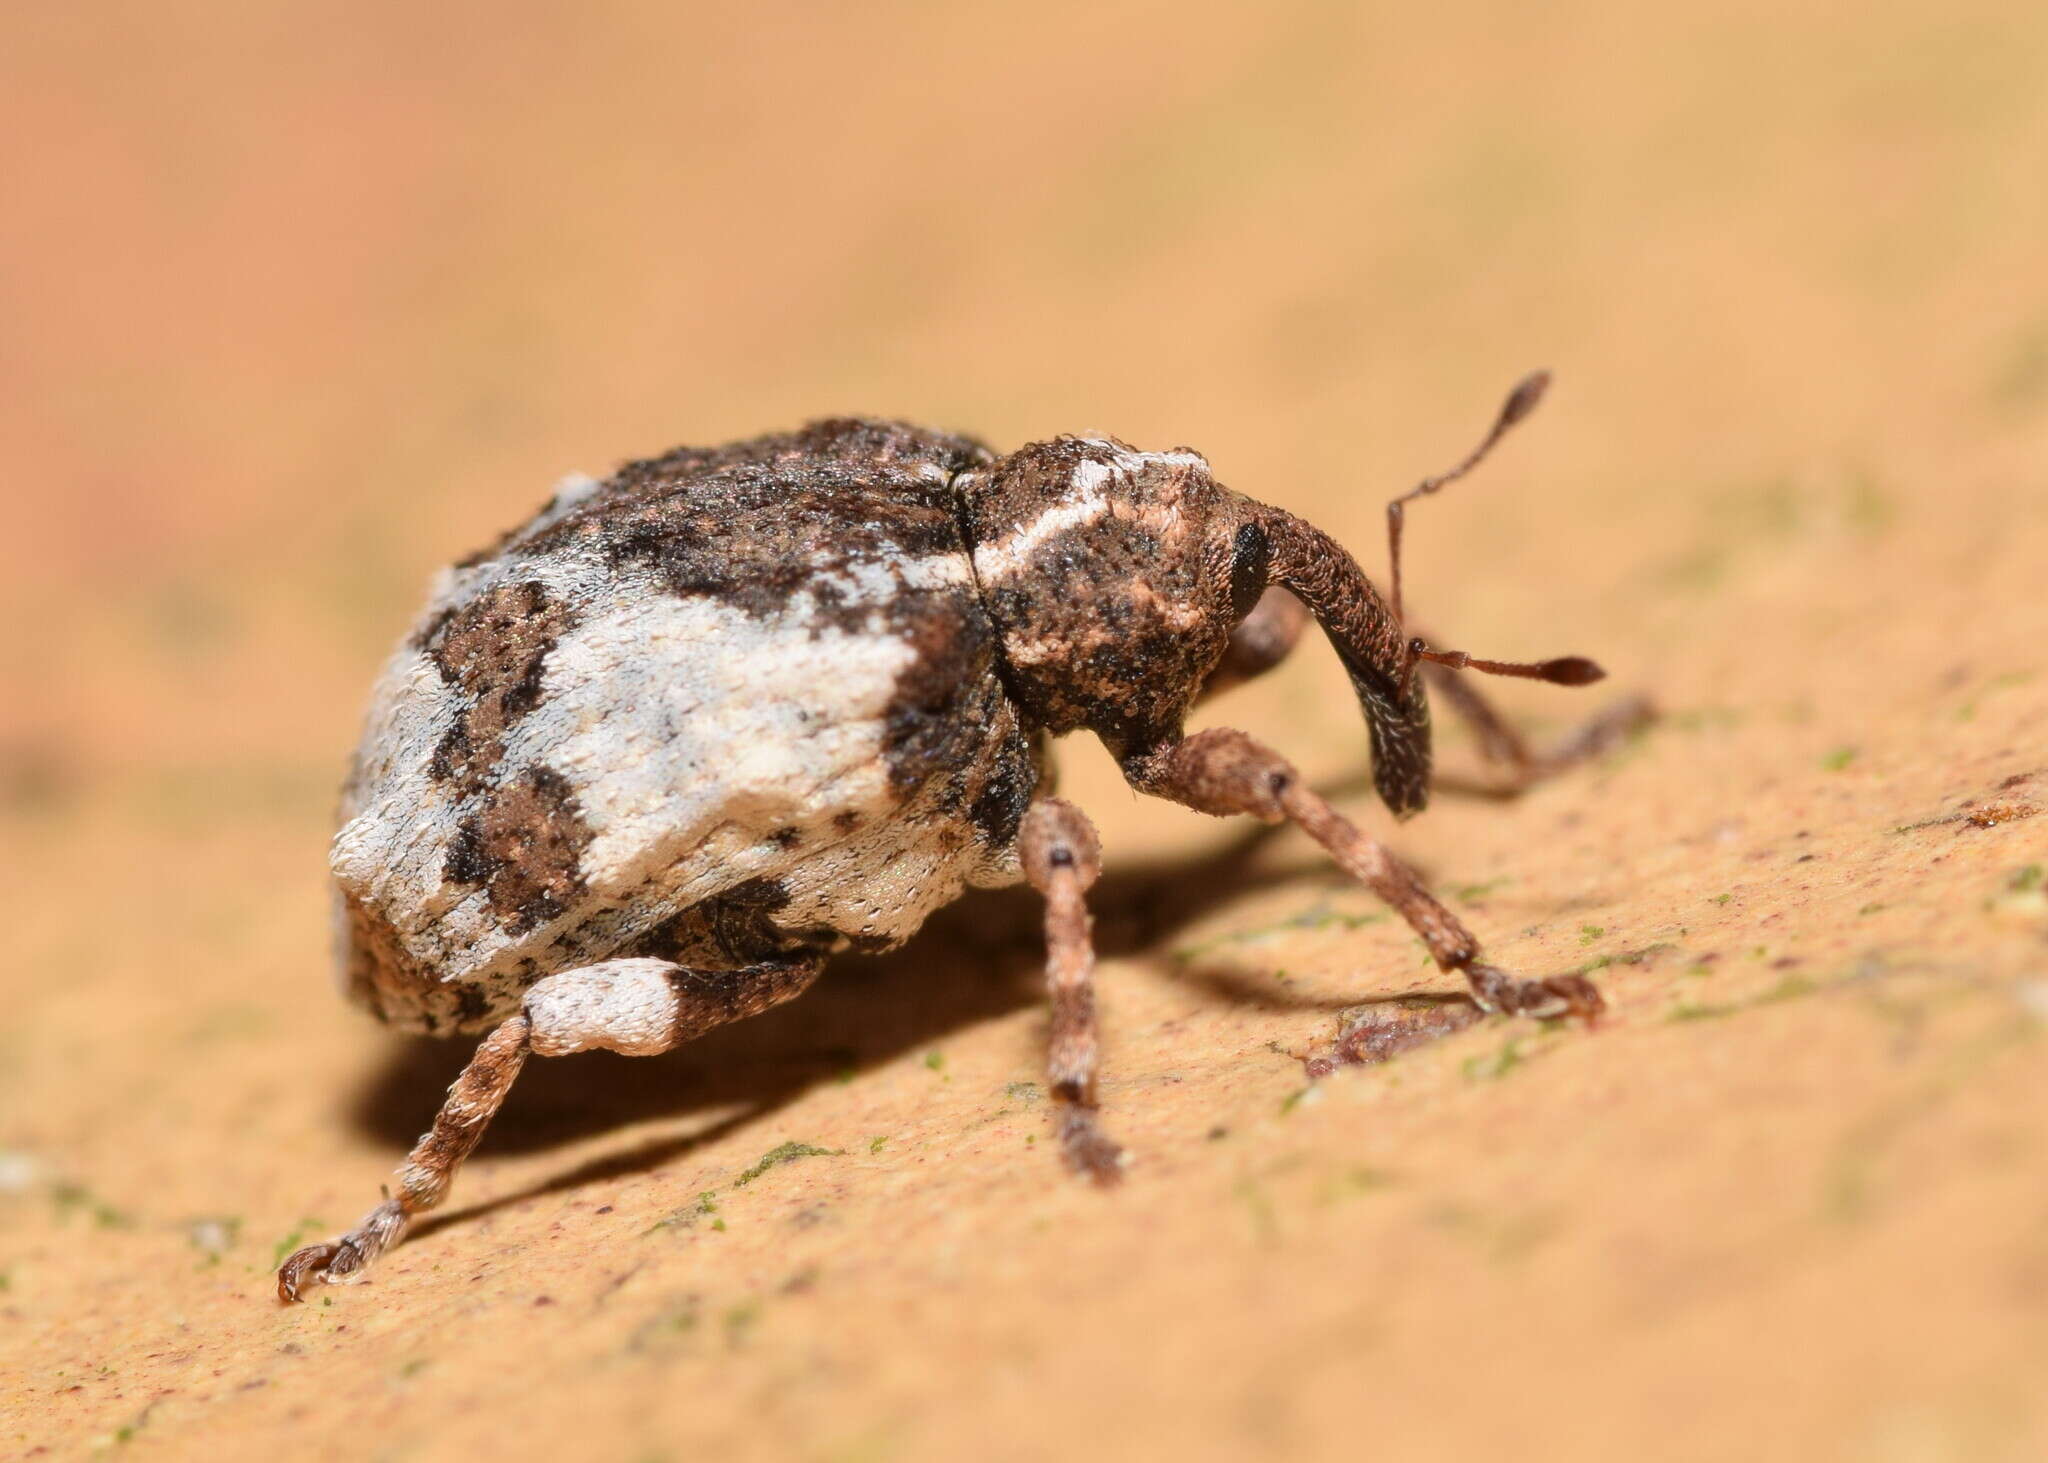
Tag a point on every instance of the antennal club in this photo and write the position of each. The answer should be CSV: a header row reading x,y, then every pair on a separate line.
x,y
1565,670
1521,401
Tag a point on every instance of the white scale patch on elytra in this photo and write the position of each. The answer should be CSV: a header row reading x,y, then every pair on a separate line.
x,y
400,820
689,731
758,723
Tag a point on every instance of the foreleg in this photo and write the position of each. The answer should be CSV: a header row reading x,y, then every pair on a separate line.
x,y
1224,772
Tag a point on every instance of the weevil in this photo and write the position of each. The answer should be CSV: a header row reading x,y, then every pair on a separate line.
x,y
645,764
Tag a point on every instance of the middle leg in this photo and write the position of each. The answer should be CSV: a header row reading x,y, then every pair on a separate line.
x,y
1062,857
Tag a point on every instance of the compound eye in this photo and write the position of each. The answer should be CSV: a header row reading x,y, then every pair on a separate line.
x,y
1250,558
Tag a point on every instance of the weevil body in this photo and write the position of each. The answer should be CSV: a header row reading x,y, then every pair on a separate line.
x,y
724,706
646,763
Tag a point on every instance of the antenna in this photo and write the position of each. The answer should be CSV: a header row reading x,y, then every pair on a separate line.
x,y
1521,401
1565,670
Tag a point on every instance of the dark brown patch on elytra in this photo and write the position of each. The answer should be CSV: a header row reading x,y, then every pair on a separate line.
x,y
934,723
843,521
754,523
1013,775
493,649
522,844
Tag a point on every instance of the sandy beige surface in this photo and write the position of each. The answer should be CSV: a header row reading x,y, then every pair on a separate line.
x,y
301,301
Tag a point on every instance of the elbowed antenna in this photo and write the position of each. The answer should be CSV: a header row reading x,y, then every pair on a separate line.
x,y
1569,670
1369,633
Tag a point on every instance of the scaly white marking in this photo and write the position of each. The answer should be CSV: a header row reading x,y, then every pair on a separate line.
x,y
625,1006
1011,554
1088,498
689,731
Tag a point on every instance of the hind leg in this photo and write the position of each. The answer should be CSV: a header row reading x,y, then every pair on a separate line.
x,y
635,1007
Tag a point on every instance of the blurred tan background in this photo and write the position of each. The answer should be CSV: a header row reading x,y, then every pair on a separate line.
x,y
297,302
